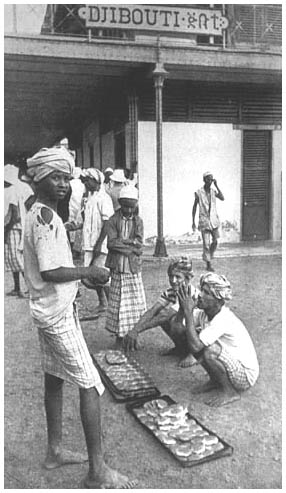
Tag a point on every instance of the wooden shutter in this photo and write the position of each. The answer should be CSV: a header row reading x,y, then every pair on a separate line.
x,y
264,108
256,149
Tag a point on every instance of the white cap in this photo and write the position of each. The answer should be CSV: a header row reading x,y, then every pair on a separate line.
x,y
207,173
128,192
118,175
108,170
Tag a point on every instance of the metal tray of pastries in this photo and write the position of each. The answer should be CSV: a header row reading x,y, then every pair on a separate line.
x,y
190,442
124,376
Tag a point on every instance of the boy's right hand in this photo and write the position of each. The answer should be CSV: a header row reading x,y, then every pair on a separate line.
x,y
130,342
98,274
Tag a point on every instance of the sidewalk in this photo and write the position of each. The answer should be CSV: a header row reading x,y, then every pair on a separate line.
x,y
225,250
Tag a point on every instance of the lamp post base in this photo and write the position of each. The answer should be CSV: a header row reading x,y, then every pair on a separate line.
x,y
160,248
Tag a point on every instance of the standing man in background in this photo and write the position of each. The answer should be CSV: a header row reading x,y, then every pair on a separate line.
x,y
208,216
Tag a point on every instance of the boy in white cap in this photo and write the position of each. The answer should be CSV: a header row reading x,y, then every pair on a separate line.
x,y
51,277
124,242
209,222
116,182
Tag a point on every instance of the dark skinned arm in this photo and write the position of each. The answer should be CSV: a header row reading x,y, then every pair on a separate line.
x,y
196,201
156,315
219,194
187,305
68,274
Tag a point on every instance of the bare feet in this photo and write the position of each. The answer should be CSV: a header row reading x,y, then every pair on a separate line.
x,y
223,398
206,387
64,457
188,361
109,479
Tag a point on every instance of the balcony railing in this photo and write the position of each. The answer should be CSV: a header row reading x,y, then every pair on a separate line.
x,y
250,26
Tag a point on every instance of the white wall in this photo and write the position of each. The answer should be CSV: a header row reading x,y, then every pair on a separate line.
x,y
276,184
189,149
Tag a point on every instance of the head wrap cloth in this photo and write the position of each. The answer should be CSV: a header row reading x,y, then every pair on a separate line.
x,y
93,173
183,264
219,285
45,161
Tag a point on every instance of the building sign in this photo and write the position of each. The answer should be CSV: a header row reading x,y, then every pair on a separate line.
x,y
154,18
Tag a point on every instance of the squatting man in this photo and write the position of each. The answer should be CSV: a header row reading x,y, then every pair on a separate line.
x,y
219,340
202,327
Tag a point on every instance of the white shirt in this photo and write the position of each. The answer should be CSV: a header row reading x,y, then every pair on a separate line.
x,y
98,208
46,247
227,329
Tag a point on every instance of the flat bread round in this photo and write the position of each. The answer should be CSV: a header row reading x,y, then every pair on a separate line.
x,y
115,358
175,410
183,450
210,440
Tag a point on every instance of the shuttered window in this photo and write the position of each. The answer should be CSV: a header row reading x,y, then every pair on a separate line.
x,y
256,159
264,108
214,104
257,24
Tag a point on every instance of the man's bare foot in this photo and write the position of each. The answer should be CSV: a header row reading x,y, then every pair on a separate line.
x,y
63,458
109,479
188,361
223,398
206,387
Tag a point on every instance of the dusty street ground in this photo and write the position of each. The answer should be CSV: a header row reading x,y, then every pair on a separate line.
x,y
252,425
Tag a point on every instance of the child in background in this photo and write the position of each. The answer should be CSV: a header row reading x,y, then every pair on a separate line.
x,y
125,240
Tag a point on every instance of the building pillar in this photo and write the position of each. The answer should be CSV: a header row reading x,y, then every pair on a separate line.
x,y
133,120
159,75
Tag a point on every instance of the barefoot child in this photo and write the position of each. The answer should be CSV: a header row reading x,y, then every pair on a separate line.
x,y
223,346
125,239
51,277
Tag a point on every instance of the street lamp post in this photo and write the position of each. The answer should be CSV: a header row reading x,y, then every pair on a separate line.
x,y
159,75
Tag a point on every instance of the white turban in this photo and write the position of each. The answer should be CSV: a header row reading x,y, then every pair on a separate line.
x,y
44,162
95,174
219,285
11,173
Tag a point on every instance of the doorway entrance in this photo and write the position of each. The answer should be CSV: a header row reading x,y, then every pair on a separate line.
x,y
256,184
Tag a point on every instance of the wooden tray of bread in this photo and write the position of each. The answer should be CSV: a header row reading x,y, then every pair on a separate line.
x,y
190,442
124,376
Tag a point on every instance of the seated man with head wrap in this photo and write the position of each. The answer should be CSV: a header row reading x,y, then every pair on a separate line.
x,y
167,313
52,281
223,346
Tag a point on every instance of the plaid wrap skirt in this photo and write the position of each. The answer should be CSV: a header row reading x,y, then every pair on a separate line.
x,y
65,355
235,371
14,259
126,302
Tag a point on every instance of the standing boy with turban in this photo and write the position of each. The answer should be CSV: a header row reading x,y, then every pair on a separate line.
x,y
51,277
124,242
208,216
167,314
223,346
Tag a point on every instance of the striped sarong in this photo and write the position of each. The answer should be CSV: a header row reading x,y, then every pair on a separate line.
x,y
235,371
14,259
126,302
64,353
